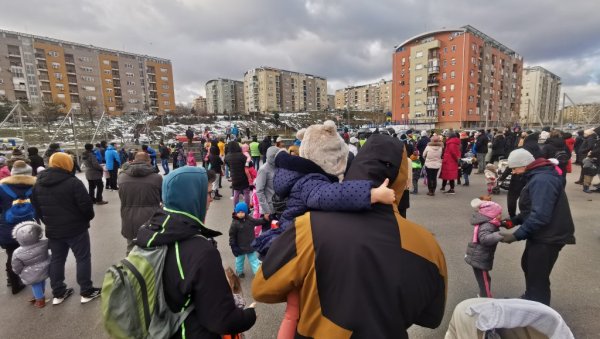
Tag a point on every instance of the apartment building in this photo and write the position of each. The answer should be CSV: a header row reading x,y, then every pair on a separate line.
x,y
224,96
269,89
38,69
375,97
581,114
456,78
330,101
539,96
199,105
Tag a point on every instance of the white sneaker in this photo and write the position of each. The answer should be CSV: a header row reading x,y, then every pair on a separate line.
x,y
96,292
58,301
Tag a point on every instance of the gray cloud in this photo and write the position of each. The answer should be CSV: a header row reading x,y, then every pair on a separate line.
x,y
348,42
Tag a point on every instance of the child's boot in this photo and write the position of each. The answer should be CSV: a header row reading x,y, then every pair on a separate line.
x,y
40,303
586,189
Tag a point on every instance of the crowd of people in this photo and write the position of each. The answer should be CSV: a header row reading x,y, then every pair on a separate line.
x,y
298,212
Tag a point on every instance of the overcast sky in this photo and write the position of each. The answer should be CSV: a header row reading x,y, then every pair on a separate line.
x,y
349,42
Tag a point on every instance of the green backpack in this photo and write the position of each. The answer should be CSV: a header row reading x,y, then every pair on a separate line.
x,y
133,300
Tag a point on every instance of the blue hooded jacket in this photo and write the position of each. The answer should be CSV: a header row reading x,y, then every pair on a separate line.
x,y
112,156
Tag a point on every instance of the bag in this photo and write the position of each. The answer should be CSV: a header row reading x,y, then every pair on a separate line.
x,y
21,209
133,300
562,157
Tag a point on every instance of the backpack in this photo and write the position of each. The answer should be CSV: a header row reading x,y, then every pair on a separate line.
x,y
562,157
21,209
133,300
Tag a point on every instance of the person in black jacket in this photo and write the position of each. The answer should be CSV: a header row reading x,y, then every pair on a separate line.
x,y
263,147
216,164
589,140
193,272
578,142
35,160
63,204
531,145
481,148
236,161
498,147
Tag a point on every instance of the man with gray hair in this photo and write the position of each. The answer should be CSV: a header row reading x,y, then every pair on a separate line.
x,y
140,193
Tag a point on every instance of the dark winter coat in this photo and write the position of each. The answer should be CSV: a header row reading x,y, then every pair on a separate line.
x,y
450,160
351,266
481,253
62,202
587,145
140,189
236,161
511,140
19,184
241,234
264,146
35,160
422,143
545,215
552,147
93,170
499,145
193,267
216,164
481,144
531,144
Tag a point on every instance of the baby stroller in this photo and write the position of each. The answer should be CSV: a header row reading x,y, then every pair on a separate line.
x,y
503,176
506,318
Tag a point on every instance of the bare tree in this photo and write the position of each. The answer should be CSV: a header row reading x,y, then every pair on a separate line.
x,y
50,111
89,107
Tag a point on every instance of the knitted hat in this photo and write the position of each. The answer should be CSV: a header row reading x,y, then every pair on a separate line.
x,y
61,160
424,133
588,132
490,209
241,207
520,158
20,168
324,146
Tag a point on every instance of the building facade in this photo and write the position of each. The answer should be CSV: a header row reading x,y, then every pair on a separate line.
x,y
581,114
269,89
456,78
224,96
330,101
539,96
375,97
39,69
199,105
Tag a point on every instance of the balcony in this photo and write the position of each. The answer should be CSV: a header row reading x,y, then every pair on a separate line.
x,y
21,88
69,60
45,88
433,82
40,56
42,66
72,80
150,70
433,70
431,106
70,69
14,54
43,78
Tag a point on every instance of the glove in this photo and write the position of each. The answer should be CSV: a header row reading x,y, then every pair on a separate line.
x,y
507,223
507,237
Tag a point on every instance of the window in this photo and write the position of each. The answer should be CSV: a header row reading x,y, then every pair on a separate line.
x,y
445,63
445,49
451,87
403,61
130,83
451,113
108,81
87,69
129,75
418,90
111,99
55,65
453,48
443,101
419,66
128,65
89,88
418,102
452,75
472,73
130,91
471,98
53,54
60,96
419,54
451,100
87,78
166,103
470,111
133,101
443,89
109,90
84,59
471,86
90,98
163,70
164,95
444,76
58,76
106,62
60,87
453,61
418,79
107,71
165,86
164,78
111,109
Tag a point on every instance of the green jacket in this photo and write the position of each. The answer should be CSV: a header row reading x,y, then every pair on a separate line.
x,y
254,151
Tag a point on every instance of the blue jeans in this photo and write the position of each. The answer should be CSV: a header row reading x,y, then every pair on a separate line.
x,y
256,161
39,289
165,165
252,258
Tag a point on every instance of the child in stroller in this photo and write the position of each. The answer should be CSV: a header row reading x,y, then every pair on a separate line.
x,y
504,174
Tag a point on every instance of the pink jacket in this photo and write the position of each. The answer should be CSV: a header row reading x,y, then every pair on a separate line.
x,y
4,172
191,160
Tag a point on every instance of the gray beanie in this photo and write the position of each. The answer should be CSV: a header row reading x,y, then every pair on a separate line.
x,y
20,168
520,158
324,146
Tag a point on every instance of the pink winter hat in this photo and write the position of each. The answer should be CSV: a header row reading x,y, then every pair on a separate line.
x,y
490,209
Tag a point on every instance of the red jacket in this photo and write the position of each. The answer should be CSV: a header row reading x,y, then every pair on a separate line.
x,y
450,161
570,145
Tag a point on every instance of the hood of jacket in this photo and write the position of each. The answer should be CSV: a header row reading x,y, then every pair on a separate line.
x,y
435,144
381,157
185,190
53,176
28,180
111,147
478,218
559,143
27,233
138,169
271,153
453,141
32,151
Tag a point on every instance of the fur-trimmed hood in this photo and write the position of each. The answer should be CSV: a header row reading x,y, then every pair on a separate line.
x,y
19,180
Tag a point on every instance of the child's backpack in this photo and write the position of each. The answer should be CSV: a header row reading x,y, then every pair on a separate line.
x,y
21,209
133,300
562,157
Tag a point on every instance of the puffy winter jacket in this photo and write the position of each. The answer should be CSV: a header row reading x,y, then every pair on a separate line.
x,y
62,202
433,155
481,144
19,184
93,169
237,164
241,234
31,260
481,253
264,182
113,161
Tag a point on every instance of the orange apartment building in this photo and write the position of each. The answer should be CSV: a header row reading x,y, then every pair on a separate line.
x,y
39,69
454,78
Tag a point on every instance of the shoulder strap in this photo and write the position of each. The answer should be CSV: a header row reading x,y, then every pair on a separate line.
x,y
29,192
476,234
8,191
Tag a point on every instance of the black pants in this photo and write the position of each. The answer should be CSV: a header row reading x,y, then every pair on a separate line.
x,y
537,263
59,248
484,280
112,181
13,278
444,182
432,178
95,188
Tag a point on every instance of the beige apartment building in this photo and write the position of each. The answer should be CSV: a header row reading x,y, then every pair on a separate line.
x,y
375,97
269,89
582,114
38,69
539,96
199,105
224,96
